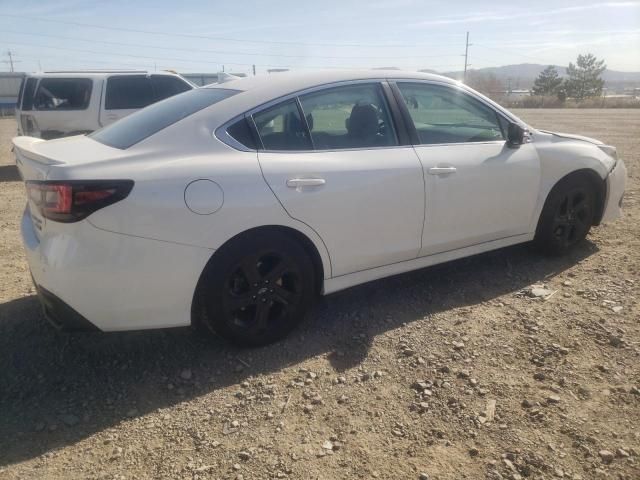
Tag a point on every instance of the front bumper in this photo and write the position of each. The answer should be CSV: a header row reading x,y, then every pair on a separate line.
x,y
616,181
85,275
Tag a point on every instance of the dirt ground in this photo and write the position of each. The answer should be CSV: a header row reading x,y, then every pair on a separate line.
x,y
445,373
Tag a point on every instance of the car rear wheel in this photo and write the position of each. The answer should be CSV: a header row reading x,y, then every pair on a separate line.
x,y
567,216
257,289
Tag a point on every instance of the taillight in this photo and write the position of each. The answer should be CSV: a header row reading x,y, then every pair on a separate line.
x,y
73,200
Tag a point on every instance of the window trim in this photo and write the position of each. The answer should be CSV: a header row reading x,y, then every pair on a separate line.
x,y
221,132
39,84
459,88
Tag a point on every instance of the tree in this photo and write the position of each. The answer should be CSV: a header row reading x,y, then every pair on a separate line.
x,y
486,83
548,82
584,78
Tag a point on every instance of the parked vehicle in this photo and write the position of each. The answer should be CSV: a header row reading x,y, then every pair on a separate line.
x,y
233,206
59,104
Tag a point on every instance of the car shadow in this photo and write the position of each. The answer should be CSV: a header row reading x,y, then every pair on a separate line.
x,y
58,388
9,173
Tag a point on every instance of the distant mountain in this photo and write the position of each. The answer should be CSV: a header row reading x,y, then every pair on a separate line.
x,y
523,75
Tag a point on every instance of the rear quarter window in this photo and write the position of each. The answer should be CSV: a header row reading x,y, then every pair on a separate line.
x,y
146,122
62,94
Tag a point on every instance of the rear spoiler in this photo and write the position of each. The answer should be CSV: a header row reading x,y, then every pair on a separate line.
x,y
27,147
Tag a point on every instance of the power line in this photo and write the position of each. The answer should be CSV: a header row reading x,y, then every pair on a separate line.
x,y
208,37
182,60
229,52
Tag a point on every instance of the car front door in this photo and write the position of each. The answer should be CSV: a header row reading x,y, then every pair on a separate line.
x,y
333,160
478,189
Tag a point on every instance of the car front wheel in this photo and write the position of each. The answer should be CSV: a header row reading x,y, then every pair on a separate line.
x,y
567,215
257,289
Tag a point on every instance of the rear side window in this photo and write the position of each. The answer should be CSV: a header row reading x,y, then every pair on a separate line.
x,y
165,86
353,116
27,96
128,92
142,124
281,128
63,94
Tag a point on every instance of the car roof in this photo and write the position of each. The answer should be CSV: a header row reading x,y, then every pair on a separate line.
x,y
281,83
95,73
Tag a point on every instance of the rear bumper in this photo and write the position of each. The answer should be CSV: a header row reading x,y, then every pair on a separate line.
x,y
91,278
61,315
616,182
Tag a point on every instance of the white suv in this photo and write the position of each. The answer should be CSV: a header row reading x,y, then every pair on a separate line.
x,y
59,104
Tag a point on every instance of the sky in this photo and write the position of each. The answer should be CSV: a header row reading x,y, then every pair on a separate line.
x,y
234,35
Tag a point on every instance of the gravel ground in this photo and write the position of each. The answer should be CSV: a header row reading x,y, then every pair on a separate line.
x,y
446,373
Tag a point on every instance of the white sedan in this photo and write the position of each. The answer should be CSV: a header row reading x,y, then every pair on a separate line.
x,y
235,205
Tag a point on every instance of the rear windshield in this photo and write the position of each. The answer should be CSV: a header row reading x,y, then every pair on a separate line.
x,y
144,123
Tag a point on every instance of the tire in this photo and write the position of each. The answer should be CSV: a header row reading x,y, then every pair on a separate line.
x,y
567,215
256,289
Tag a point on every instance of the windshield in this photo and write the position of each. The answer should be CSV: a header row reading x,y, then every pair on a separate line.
x,y
150,120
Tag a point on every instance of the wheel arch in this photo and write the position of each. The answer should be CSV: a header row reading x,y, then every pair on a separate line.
x,y
598,184
309,246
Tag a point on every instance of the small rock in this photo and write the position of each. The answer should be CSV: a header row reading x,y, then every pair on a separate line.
x,y
528,403
423,476
622,453
606,456
244,455
617,309
327,445
458,345
539,292
539,376
307,408
474,452
615,341
186,374
553,399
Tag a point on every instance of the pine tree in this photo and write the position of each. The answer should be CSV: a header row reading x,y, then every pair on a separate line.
x,y
547,82
584,78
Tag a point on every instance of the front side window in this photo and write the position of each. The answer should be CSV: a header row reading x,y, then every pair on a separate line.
x,y
128,92
62,94
447,115
281,128
353,116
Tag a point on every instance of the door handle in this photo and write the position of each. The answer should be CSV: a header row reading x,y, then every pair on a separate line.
x,y
298,183
441,170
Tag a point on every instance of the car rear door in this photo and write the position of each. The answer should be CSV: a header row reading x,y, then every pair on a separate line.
x,y
333,159
478,189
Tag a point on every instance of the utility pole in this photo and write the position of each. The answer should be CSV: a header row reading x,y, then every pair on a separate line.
x,y
466,59
254,70
11,61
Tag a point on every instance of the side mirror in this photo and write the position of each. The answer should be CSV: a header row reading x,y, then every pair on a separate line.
x,y
515,135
